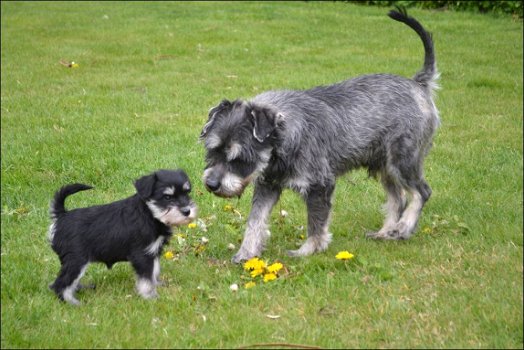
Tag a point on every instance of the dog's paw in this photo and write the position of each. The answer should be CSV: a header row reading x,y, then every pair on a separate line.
x,y
160,283
146,288
385,235
294,253
74,302
314,244
86,286
71,300
242,256
376,235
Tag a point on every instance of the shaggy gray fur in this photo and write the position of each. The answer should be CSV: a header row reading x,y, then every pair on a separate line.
x,y
303,140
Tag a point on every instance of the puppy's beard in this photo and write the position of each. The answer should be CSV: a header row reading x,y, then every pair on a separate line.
x,y
172,216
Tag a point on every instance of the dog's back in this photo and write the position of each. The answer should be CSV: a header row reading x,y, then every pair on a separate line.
x,y
358,119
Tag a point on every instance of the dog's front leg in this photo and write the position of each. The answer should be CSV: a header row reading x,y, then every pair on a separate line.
x,y
256,234
318,200
146,275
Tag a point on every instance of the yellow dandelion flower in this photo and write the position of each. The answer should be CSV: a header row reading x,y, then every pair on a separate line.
x,y
169,255
256,272
274,268
426,229
254,264
228,207
270,277
249,284
192,225
344,255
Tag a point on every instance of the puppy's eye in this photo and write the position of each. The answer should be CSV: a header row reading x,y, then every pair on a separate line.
x,y
167,197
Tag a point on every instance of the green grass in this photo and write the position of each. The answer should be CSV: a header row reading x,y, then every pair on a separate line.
x,y
148,74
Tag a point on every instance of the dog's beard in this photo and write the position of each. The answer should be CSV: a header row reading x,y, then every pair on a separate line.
x,y
231,185
172,216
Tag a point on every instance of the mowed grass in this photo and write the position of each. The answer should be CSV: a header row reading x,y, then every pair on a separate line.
x,y
148,74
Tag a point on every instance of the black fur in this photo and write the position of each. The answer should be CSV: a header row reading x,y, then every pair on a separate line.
x,y
119,231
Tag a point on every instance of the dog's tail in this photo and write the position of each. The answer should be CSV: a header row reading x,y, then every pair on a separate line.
x,y
57,207
429,75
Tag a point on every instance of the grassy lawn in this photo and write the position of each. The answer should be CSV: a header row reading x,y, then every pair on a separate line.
x,y
148,74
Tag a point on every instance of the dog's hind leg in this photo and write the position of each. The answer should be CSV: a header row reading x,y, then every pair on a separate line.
x,y
67,281
395,205
407,171
318,201
420,194
256,234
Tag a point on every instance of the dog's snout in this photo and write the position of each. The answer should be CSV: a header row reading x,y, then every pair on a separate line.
x,y
212,184
185,211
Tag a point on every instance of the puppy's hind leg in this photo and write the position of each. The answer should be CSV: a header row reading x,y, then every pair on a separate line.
x,y
318,201
68,280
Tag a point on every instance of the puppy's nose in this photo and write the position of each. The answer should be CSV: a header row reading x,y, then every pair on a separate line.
x,y
185,211
212,184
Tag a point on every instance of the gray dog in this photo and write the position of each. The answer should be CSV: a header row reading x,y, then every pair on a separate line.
x,y
303,140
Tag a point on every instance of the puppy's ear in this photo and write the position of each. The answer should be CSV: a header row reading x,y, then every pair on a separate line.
x,y
266,121
145,186
213,112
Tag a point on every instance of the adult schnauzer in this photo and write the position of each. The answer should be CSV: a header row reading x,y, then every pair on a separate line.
x,y
133,229
303,140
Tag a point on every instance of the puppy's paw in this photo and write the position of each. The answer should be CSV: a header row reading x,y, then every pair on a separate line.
x,y
146,288
71,300
86,286
152,295
160,283
74,302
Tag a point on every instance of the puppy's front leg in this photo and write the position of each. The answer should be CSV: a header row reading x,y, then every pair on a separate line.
x,y
256,234
144,266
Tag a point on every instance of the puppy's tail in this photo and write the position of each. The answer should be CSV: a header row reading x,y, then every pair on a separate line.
x,y
429,75
57,207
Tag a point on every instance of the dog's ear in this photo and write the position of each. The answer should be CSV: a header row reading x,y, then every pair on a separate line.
x,y
265,122
213,112
145,186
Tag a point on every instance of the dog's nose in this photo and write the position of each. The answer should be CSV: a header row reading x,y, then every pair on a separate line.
x,y
185,211
212,184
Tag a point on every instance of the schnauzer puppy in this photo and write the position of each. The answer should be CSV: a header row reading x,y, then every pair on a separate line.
x,y
133,229
303,140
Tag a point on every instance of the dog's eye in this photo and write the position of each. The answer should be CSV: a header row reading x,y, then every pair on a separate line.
x,y
167,197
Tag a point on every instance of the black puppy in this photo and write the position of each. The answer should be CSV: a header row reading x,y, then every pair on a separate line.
x,y
133,229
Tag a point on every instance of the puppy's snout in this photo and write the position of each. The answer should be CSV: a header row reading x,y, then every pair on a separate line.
x,y
185,211
212,184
